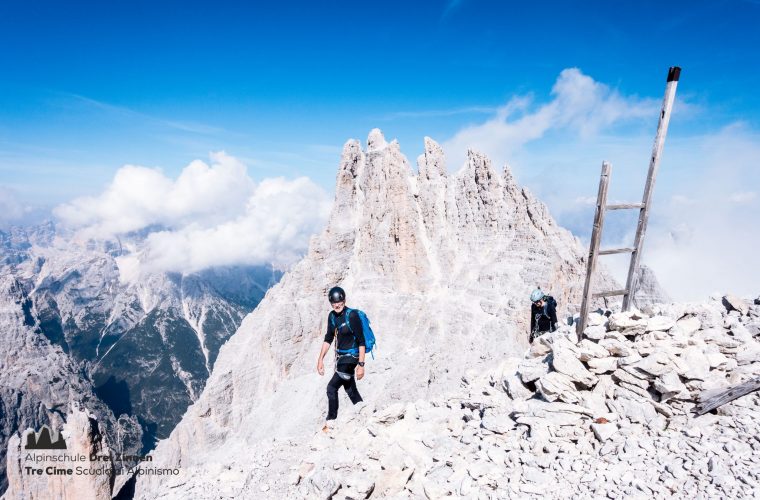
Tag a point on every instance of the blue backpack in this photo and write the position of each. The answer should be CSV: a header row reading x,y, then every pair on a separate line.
x,y
369,335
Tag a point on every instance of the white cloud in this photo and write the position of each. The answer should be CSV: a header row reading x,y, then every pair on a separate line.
x,y
681,200
10,208
586,200
743,197
210,215
140,196
579,105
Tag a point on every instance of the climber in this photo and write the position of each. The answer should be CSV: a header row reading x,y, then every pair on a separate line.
x,y
543,314
349,352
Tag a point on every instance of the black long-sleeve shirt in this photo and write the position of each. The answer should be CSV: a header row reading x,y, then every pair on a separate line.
x,y
348,338
544,319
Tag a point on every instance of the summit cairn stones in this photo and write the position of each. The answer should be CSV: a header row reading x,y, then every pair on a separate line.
x,y
585,439
565,360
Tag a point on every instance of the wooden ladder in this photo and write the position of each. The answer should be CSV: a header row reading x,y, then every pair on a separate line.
x,y
601,208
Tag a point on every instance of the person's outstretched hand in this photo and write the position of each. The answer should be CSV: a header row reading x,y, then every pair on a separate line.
x,y
320,367
359,372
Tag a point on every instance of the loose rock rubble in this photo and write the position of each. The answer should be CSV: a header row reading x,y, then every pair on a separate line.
x,y
607,417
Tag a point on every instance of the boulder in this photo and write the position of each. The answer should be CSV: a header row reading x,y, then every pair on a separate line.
x,y
557,386
625,322
716,358
597,332
655,364
596,319
660,323
360,484
323,485
514,387
391,413
633,407
392,480
616,347
604,431
588,350
497,423
748,353
734,303
564,361
621,375
533,369
688,325
696,363
602,365
540,347
669,385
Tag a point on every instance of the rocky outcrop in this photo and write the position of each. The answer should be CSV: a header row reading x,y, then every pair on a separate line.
x,y
55,474
648,290
443,265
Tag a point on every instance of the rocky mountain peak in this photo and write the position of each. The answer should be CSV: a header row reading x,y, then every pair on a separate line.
x,y
432,163
442,264
376,141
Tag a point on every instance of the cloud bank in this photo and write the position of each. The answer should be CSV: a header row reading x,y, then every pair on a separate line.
x,y
210,215
706,230
11,209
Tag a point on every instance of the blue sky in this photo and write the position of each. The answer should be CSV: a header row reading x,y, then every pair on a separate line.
x,y
88,87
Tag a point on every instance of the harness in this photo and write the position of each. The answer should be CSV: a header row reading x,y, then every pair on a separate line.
x,y
352,353
544,313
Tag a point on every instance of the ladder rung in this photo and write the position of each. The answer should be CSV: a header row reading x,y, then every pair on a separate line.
x,y
616,250
611,293
623,206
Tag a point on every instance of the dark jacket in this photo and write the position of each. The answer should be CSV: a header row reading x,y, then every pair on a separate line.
x,y
543,319
348,338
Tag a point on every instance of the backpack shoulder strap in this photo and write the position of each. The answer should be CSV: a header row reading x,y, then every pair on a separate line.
x,y
348,320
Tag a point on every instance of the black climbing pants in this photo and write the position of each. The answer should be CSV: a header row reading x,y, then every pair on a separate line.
x,y
336,382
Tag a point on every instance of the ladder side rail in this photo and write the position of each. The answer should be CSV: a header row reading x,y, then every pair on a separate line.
x,y
654,163
596,237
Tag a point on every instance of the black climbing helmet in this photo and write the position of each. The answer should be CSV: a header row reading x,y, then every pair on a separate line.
x,y
336,294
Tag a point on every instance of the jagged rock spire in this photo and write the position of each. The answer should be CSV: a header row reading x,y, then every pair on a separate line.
x,y
442,264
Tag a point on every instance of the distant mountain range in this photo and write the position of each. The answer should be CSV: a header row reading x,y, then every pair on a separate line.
x,y
146,347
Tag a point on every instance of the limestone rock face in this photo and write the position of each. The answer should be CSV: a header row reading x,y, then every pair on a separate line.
x,y
443,265
648,289
82,436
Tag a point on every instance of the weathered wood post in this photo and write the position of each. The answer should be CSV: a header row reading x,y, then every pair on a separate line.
x,y
719,399
596,237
